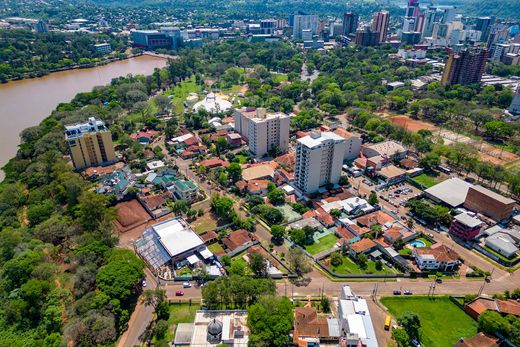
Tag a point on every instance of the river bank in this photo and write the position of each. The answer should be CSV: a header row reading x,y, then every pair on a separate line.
x,y
25,103
86,66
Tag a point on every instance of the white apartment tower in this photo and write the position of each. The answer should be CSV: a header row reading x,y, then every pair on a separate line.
x,y
263,131
319,157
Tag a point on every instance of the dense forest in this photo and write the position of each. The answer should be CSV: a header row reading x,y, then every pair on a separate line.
x,y
23,52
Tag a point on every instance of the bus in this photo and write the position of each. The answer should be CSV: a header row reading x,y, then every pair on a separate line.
x,y
388,321
444,169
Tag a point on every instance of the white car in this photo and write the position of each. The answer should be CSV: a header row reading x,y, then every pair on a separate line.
x,y
144,283
186,285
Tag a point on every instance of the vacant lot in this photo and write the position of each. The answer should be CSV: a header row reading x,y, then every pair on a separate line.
x,y
442,323
324,243
180,313
205,223
348,266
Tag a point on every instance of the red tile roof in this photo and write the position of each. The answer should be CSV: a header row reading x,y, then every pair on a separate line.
x,y
215,162
441,253
288,160
345,233
479,340
362,245
236,239
377,217
149,133
308,323
324,217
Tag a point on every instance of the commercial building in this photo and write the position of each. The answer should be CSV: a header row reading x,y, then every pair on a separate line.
x,y
489,203
380,21
465,67
410,37
152,39
263,131
350,23
304,21
355,322
319,158
451,192
90,144
484,25
268,26
170,241
465,226
387,149
103,48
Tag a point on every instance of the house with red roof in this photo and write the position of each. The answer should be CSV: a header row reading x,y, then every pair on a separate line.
x,y
144,137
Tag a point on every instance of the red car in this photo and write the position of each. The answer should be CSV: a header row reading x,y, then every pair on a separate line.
x,y
179,293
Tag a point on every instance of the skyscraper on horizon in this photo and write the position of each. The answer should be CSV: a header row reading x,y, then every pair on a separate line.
x,y
350,23
465,67
380,21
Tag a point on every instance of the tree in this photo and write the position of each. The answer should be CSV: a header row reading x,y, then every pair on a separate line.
x,y
325,304
160,328
221,145
336,259
335,212
277,232
411,323
430,161
491,322
497,130
92,210
372,198
276,196
254,200
234,172
401,337
258,264
270,320
223,206
362,261
153,297
298,261
119,277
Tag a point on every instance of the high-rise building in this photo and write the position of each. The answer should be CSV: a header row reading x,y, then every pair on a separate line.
x,y
319,158
263,131
449,15
151,39
380,21
465,67
41,27
350,23
484,25
90,143
305,21
366,37
410,38
430,18
412,9
268,26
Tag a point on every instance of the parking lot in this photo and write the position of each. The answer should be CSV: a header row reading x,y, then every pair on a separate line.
x,y
392,198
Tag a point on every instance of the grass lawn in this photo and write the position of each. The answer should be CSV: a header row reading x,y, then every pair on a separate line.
x,y
181,91
216,248
426,180
442,323
349,267
242,158
180,313
204,224
279,78
326,242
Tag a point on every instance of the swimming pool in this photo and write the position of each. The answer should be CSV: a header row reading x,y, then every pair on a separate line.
x,y
417,243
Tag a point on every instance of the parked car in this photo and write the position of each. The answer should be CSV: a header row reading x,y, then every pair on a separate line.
x,y
397,292
179,293
186,285
415,343
407,292
144,283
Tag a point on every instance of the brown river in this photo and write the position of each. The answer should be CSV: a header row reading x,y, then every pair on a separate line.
x,y
27,102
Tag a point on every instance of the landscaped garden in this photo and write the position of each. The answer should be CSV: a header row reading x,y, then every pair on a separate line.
x,y
426,180
442,322
348,266
216,249
326,242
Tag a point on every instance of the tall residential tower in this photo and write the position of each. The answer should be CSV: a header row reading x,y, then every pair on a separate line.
x,y
90,143
319,158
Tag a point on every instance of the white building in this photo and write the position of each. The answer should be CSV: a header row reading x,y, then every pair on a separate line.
x,y
306,21
387,150
353,144
354,319
263,131
213,104
440,257
319,158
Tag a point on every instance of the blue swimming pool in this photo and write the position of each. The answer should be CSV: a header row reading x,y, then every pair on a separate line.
x,y
417,243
